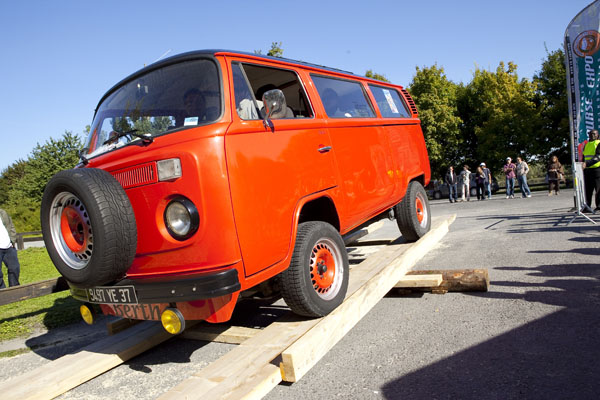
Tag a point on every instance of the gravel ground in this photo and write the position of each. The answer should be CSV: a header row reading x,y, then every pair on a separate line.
x,y
533,335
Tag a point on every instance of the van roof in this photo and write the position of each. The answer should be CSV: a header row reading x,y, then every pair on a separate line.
x,y
211,53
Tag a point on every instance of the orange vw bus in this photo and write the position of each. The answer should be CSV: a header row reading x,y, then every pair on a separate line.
x,y
210,172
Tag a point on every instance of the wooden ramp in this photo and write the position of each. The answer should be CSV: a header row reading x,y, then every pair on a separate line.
x,y
65,373
284,350
252,369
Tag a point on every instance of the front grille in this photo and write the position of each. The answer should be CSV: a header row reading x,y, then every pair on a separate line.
x,y
136,176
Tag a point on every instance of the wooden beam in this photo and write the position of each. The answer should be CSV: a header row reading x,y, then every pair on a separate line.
x,y
120,325
250,365
415,281
354,236
63,374
221,334
32,290
300,357
459,280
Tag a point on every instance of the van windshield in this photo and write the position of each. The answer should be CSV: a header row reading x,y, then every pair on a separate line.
x,y
174,97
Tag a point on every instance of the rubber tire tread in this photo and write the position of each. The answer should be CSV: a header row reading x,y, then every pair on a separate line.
x,y
406,214
295,283
112,220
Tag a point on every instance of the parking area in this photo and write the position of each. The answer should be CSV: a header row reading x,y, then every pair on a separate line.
x,y
532,335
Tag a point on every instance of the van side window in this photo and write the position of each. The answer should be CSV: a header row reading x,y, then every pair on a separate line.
x,y
342,98
245,105
389,102
252,80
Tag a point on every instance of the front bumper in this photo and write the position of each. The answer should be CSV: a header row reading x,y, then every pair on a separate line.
x,y
174,289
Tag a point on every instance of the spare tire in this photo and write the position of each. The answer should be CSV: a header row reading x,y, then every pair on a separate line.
x,y
88,226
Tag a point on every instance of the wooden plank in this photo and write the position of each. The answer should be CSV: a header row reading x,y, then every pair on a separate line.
x,y
244,366
32,290
222,334
241,369
65,373
414,281
311,347
460,280
354,236
120,325
248,369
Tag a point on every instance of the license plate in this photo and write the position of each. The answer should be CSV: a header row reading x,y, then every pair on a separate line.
x,y
112,295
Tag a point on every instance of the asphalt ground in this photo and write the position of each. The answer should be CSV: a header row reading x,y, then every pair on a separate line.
x,y
533,335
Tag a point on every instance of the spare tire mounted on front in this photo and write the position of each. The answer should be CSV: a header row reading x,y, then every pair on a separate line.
x,y
88,226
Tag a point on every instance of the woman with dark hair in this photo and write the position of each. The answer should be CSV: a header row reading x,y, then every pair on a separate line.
x,y
555,172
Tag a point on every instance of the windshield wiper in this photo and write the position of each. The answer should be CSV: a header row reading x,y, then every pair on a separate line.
x,y
146,137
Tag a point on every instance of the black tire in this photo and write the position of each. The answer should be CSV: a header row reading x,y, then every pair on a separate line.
x,y
306,291
88,226
473,192
412,213
437,195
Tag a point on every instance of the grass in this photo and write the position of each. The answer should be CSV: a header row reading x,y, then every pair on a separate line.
x,y
47,312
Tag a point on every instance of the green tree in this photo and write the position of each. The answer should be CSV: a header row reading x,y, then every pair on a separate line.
x,y
551,97
44,161
12,174
500,116
275,51
374,75
436,99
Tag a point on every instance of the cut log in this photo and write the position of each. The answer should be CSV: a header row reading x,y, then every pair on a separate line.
x,y
458,280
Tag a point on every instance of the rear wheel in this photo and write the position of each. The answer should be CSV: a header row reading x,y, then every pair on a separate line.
x,y
88,226
316,281
412,213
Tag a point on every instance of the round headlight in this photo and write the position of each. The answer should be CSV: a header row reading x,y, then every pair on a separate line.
x,y
181,218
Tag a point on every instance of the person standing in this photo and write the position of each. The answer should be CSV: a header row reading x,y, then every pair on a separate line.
x,y
450,180
480,181
465,177
8,253
488,179
591,169
555,170
522,170
509,170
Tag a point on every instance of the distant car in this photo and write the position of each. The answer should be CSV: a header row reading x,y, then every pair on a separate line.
x,y
439,190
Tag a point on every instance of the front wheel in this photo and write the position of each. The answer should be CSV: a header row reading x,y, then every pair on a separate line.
x,y
316,281
412,213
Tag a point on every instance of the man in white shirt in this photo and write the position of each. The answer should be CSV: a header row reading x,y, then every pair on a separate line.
x,y
8,253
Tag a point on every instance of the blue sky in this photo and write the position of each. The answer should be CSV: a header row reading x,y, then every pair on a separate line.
x,y
59,57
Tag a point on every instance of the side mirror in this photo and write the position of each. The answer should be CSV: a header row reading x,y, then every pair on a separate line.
x,y
275,105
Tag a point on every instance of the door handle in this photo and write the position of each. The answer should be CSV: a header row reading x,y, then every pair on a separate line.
x,y
324,149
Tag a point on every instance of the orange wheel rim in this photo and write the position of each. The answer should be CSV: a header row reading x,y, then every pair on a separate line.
x,y
420,210
71,226
322,268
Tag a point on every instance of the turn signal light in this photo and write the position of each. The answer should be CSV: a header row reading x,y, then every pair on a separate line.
x,y
173,321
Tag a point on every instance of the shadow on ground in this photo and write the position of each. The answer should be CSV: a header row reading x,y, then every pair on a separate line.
x,y
555,357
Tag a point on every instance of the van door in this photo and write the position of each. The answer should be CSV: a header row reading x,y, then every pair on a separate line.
x,y
270,171
361,146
